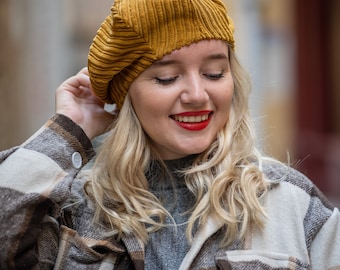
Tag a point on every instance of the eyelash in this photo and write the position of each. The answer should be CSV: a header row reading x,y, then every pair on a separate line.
x,y
165,81
215,77
168,81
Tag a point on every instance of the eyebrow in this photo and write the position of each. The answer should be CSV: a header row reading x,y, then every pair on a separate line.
x,y
216,56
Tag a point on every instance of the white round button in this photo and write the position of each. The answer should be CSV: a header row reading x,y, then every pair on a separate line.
x,y
77,161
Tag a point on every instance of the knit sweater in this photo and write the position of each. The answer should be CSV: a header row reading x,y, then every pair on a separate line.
x,y
46,220
164,250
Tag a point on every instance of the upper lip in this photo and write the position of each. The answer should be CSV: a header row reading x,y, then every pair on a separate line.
x,y
193,113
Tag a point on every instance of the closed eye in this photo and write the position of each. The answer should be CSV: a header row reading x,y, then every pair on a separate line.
x,y
165,81
215,76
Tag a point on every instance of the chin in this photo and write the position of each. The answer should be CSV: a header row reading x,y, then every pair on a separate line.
x,y
196,151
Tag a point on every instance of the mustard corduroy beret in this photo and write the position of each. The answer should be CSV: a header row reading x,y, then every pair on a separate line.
x,y
139,32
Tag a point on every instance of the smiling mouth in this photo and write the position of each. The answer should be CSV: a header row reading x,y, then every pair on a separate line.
x,y
191,119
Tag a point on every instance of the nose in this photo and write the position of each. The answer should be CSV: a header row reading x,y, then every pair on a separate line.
x,y
194,91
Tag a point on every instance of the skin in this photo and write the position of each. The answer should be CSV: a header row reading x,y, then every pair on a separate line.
x,y
188,84
75,99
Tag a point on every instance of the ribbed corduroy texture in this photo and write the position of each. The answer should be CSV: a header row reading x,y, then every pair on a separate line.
x,y
139,32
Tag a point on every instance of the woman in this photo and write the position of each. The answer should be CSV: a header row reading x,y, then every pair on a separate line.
x,y
177,182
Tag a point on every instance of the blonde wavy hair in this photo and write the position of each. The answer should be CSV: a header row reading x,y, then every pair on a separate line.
x,y
226,179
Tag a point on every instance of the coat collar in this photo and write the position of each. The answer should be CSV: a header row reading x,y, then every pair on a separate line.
x,y
136,248
206,230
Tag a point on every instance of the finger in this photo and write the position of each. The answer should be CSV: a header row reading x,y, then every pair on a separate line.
x,y
84,70
83,80
79,80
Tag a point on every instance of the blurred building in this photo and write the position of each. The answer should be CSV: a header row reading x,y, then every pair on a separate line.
x,y
44,42
317,140
289,47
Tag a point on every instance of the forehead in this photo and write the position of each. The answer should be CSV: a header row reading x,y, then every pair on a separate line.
x,y
201,49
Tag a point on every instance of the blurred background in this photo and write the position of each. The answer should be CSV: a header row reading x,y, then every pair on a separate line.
x,y
290,48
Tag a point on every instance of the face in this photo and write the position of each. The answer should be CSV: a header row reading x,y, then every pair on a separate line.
x,y
183,100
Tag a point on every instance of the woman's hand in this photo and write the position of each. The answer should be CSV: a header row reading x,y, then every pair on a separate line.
x,y
75,99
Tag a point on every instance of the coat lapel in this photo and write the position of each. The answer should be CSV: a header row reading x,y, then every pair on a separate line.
x,y
206,230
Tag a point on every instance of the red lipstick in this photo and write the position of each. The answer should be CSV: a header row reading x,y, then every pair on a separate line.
x,y
193,121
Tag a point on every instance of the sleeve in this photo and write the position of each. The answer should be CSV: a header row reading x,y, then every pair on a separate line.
x,y
322,231
35,179
325,248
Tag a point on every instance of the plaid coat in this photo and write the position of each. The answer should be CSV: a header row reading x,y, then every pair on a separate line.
x,y
46,221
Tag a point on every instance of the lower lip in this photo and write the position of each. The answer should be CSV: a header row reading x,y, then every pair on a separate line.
x,y
194,126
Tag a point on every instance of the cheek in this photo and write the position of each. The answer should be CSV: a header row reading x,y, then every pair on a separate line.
x,y
150,112
154,104
223,104
229,93
225,97
141,101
